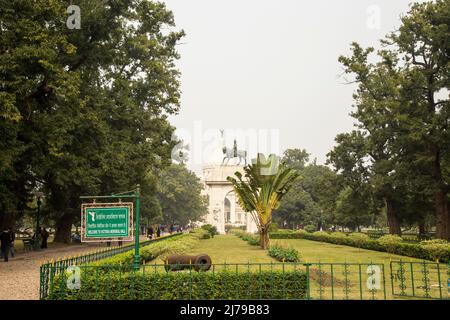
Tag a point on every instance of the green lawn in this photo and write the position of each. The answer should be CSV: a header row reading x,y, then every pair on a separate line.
x,y
231,249
327,281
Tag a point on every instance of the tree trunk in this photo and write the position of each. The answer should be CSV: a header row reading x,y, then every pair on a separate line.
x,y
442,215
7,220
264,237
64,229
392,218
441,202
421,226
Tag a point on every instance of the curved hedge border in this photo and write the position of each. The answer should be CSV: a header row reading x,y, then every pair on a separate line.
x,y
278,252
174,245
184,285
427,250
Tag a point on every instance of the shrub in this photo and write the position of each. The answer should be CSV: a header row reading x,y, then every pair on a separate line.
x,y
250,238
273,227
228,228
284,254
359,239
437,249
223,285
310,228
390,242
211,229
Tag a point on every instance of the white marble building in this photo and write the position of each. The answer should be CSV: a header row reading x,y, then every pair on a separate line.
x,y
223,206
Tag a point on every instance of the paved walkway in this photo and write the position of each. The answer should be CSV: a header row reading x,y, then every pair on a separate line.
x,y
19,278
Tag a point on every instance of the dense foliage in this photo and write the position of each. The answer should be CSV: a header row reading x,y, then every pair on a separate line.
x,y
284,254
393,169
179,194
228,285
84,111
212,230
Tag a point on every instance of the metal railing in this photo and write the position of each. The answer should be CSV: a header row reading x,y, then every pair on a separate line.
x,y
427,280
301,281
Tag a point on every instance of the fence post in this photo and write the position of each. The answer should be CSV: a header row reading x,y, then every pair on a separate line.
x,y
308,293
439,280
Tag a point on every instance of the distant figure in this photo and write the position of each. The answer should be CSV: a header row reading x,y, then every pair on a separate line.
x,y
12,235
108,243
158,232
150,232
5,239
44,237
119,243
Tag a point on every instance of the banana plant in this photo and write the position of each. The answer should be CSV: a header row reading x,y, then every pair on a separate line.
x,y
259,191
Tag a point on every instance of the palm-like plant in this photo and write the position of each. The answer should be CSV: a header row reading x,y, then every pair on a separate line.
x,y
261,189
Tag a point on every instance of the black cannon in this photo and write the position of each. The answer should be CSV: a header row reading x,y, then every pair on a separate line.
x,y
201,262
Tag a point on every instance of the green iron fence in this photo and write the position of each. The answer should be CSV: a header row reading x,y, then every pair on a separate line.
x,y
347,281
424,279
301,281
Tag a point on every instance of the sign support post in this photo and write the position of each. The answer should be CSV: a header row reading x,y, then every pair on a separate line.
x,y
137,221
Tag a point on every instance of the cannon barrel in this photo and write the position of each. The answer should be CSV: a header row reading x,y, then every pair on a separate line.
x,y
201,262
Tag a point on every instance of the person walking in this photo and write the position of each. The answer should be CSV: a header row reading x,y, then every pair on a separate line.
x,y
150,233
44,237
5,242
158,232
12,236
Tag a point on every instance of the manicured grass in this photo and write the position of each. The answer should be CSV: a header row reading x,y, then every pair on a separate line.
x,y
231,249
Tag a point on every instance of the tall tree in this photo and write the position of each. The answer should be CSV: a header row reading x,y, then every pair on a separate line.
x,y
180,195
423,42
89,107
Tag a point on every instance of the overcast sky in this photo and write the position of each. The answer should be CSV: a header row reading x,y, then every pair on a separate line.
x,y
272,66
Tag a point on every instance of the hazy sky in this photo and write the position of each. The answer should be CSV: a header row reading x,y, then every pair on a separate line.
x,y
272,65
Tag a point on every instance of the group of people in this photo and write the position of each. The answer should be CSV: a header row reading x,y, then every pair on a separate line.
x,y
151,232
160,229
7,238
43,233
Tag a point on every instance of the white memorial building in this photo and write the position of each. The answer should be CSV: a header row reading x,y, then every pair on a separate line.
x,y
223,208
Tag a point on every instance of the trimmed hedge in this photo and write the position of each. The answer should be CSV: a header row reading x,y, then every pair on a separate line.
x,y
183,286
427,250
175,245
251,239
284,254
